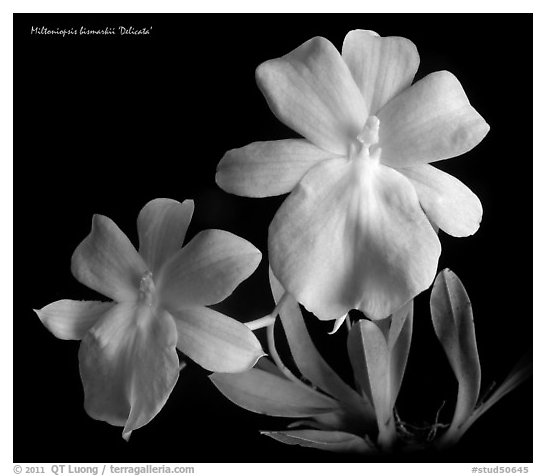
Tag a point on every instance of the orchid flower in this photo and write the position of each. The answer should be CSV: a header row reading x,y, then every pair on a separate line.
x,y
357,230
128,359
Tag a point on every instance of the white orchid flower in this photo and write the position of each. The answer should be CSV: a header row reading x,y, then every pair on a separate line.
x,y
128,359
354,232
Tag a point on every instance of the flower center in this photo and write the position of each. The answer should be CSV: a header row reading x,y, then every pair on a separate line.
x,y
146,291
369,137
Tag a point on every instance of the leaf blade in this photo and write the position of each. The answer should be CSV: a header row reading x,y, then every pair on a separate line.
x,y
262,392
399,342
453,324
518,375
308,359
336,441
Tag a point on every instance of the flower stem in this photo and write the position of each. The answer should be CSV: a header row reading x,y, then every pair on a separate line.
x,y
387,435
276,358
265,321
269,319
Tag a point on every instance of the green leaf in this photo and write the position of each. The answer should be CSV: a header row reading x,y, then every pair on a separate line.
x,y
519,374
263,392
371,363
337,441
397,330
399,341
358,360
454,326
376,351
308,359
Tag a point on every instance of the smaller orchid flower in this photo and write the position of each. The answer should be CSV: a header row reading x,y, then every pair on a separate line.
x,y
357,230
128,359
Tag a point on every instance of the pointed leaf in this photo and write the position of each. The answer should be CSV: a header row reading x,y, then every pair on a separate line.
x,y
454,325
337,441
307,357
358,360
307,424
262,392
397,322
397,331
377,362
519,374
399,341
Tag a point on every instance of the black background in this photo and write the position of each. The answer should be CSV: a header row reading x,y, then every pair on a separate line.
x,y
104,124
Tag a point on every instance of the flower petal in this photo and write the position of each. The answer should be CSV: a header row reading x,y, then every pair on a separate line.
x,y
337,441
262,392
311,90
162,226
381,67
432,120
352,235
67,319
207,269
216,341
129,365
264,169
337,324
448,202
107,262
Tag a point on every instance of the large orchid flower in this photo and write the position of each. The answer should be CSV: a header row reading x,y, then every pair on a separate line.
x,y
356,231
128,359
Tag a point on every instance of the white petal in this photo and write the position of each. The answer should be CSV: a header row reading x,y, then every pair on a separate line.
x,y
448,202
311,90
215,341
67,319
353,237
162,226
207,269
339,322
432,120
264,169
129,365
107,262
381,67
